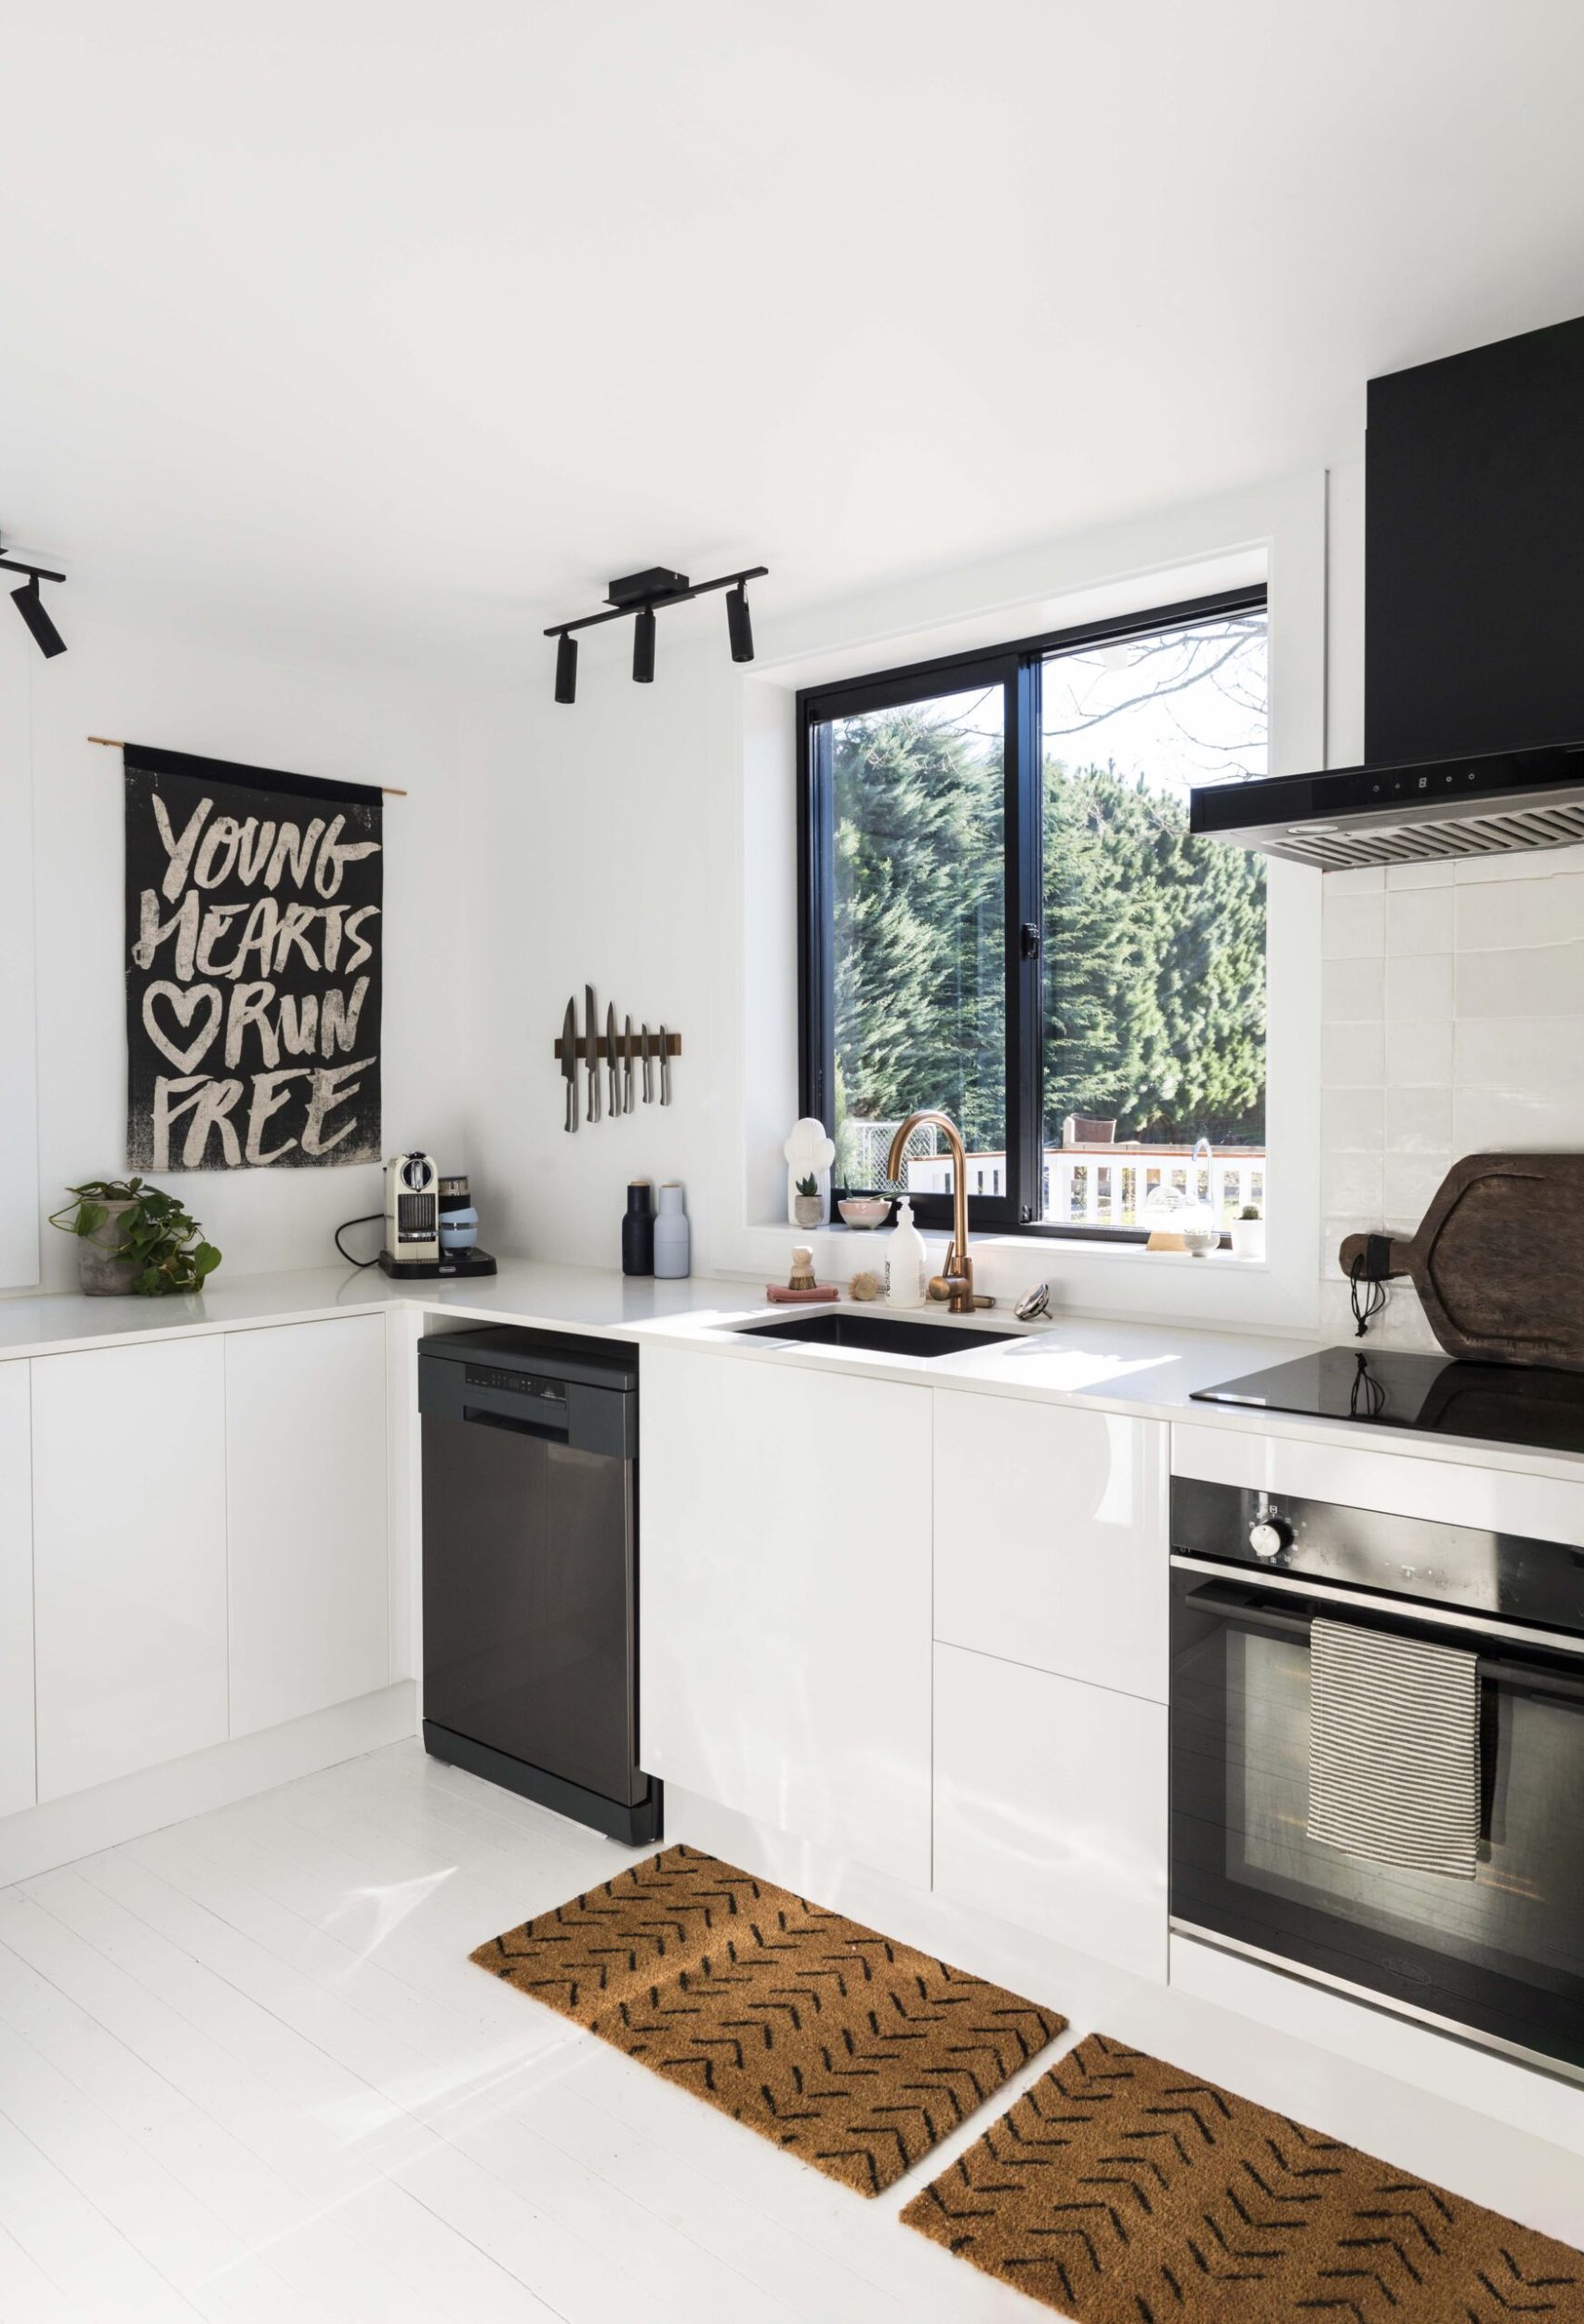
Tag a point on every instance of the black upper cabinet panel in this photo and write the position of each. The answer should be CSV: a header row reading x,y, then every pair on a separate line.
x,y
1475,558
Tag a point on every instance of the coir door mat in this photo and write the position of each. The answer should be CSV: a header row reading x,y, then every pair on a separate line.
x,y
854,2052
1119,2190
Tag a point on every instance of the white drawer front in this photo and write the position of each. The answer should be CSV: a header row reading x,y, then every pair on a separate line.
x,y
1050,1539
1051,1807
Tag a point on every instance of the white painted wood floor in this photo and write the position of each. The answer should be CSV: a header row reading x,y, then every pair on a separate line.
x,y
246,2070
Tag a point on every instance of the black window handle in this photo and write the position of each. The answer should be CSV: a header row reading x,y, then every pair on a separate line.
x,y
1028,940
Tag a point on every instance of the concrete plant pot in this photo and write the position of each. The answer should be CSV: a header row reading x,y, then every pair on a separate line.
x,y
100,1274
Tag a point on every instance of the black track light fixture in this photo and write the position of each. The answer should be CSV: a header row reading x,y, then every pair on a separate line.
x,y
639,594
643,647
30,605
739,629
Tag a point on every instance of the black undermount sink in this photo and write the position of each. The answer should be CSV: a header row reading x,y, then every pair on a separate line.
x,y
882,1335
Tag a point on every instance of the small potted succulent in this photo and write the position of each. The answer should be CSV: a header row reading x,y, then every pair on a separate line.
x,y
808,1207
1248,1232
132,1236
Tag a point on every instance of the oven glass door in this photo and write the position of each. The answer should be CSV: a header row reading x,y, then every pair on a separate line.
x,y
1502,1954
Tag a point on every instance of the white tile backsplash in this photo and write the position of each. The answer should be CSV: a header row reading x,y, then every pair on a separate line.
x,y
1353,1056
1506,914
1418,985
1354,925
1420,919
1353,991
1419,1052
1520,1052
1453,1023
1418,1121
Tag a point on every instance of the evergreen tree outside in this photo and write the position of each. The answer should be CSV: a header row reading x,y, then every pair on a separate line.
x,y
1154,942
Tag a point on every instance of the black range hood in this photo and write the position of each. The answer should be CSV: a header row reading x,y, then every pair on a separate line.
x,y
1473,626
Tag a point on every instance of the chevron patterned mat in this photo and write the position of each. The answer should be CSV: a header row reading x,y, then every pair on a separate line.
x,y
855,2052
1118,2190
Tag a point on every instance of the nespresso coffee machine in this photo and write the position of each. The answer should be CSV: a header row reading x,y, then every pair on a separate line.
x,y
431,1224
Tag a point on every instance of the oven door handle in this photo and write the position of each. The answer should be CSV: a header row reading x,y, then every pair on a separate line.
x,y
1216,1598
1360,1601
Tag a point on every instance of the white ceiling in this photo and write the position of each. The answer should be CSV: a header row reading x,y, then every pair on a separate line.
x,y
389,331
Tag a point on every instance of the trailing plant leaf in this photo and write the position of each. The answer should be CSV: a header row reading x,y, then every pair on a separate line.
x,y
157,1233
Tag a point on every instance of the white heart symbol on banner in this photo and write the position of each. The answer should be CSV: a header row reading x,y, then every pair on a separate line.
x,y
185,1002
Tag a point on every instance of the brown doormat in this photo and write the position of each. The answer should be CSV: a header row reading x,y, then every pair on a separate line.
x,y
854,2052
1119,2190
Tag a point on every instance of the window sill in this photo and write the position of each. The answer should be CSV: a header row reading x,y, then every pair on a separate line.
x,y
1025,1244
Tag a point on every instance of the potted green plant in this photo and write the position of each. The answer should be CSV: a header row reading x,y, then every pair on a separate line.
x,y
132,1236
807,1209
1248,1232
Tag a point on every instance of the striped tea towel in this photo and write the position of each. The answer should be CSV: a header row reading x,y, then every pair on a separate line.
x,y
1394,1749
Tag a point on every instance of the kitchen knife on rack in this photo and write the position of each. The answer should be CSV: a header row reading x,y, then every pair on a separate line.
x,y
568,1062
627,1068
592,1037
648,1069
665,1067
613,1065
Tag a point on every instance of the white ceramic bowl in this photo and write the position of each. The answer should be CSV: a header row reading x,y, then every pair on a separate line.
x,y
864,1210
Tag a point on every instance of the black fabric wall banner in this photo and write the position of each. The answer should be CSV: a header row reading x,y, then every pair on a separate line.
x,y
254,919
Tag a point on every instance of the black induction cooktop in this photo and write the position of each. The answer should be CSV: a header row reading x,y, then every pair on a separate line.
x,y
1439,1395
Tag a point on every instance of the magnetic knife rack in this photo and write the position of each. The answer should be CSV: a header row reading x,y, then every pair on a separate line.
x,y
627,1051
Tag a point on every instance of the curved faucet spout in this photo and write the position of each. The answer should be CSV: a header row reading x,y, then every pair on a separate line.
x,y
959,1271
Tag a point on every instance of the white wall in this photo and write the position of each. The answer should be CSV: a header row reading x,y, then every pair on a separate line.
x,y
646,838
121,678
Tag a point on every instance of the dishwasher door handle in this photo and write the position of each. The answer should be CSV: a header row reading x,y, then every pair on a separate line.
x,y
518,1423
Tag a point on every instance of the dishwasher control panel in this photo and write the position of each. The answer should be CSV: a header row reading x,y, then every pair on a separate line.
x,y
513,1383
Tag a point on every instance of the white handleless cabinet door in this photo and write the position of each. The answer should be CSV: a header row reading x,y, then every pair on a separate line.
x,y
18,1778
309,1549
1050,1539
129,1558
783,1582
1050,1806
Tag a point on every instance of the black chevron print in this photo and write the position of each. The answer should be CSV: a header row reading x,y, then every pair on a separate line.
x,y
1119,2190
851,2051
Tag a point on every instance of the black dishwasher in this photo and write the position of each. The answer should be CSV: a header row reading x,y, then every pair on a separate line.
x,y
530,1501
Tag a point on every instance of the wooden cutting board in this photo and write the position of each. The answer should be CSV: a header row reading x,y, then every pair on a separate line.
x,y
1498,1262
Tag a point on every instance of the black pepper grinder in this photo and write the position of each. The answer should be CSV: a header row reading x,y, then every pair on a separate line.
x,y
637,1231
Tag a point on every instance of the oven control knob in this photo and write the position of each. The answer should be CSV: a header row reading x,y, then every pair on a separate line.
x,y
1269,1536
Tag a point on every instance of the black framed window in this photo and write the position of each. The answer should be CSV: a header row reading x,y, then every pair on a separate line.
x,y
1003,916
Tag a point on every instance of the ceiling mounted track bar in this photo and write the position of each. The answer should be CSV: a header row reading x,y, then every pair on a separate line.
x,y
627,607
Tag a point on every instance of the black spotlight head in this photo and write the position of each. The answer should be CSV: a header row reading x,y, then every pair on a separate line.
x,y
28,603
643,647
566,668
738,626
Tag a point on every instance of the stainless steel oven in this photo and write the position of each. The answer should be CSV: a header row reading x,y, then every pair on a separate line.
x,y
1499,1956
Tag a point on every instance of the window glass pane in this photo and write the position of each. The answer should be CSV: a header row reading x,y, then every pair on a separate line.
x,y
919,934
1155,942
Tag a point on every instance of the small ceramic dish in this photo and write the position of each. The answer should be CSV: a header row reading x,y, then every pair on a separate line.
x,y
864,1210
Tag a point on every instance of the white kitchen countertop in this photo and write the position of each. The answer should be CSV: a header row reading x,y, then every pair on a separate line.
x,y
1147,1370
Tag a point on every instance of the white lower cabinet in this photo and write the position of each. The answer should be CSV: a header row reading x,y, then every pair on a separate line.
x,y
1050,1538
19,1781
1050,1806
307,1531
129,1558
785,1598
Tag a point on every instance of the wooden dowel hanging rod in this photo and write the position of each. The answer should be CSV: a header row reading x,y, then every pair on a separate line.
x,y
111,743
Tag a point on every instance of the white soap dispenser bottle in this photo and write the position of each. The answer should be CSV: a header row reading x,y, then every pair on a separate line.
x,y
906,1264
